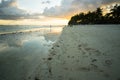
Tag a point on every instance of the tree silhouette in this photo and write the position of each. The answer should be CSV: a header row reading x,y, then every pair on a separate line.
x,y
99,16
73,20
115,12
96,17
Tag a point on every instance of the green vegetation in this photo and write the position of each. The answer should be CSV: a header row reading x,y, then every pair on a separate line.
x,y
97,17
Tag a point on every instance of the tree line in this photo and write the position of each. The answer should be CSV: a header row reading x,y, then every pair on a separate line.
x,y
97,17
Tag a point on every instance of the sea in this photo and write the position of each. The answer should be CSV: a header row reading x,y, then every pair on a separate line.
x,y
7,29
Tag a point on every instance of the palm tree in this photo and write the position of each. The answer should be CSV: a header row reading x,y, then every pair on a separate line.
x,y
96,17
99,16
115,12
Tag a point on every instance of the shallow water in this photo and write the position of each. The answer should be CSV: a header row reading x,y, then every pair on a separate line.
x,y
21,52
16,29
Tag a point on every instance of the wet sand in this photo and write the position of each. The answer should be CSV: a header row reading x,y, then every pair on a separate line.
x,y
21,53
84,53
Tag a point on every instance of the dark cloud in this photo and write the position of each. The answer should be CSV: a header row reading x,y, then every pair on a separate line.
x,y
74,6
110,1
10,11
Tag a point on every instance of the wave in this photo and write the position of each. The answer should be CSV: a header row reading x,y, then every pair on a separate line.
x,y
4,30
42,30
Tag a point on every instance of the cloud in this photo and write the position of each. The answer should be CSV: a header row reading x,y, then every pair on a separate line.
x,y
71,7
58,10
110,1
9,10
46,2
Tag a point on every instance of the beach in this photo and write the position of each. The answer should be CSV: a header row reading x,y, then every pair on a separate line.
x,y
81,52
84,53
59,39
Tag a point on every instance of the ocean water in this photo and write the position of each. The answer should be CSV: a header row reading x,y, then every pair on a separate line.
x,y
23,47
17,28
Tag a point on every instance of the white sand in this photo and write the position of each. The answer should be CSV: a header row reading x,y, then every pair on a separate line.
x,y
84,53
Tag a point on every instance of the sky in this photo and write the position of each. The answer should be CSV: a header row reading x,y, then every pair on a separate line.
x,y
46,12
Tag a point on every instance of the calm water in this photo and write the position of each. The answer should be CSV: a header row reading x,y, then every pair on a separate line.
x,y
14,29
22,48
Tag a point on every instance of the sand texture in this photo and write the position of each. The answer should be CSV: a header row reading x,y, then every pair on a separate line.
x,y
84,53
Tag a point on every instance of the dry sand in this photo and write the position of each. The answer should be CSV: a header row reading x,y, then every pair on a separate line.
x,y
83,53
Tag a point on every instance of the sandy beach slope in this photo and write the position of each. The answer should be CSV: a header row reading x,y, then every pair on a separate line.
x,y
84,53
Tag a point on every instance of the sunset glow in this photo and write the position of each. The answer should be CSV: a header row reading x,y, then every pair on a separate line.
x,y
34,22
46,12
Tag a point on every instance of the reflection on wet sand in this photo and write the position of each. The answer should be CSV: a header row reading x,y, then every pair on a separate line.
x,y
21,53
